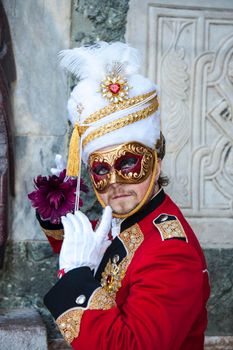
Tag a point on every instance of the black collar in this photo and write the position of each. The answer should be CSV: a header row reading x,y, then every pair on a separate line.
x,y
146,210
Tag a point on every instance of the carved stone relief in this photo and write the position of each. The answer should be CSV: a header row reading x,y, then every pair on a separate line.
x,y
188,51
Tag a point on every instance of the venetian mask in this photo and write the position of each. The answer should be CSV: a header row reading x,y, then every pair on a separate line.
x,y
129,163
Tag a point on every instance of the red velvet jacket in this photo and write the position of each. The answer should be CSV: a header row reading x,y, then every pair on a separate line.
x,y
149,292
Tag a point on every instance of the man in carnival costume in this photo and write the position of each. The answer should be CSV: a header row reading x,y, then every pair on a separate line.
x,y
139,280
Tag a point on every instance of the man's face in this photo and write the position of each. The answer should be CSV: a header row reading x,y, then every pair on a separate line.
x,y
122,175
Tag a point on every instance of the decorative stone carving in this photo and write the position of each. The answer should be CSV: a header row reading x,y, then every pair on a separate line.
x,y
188,51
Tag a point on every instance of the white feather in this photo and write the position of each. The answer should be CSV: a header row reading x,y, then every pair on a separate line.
x,y
92,62
122,53
81,63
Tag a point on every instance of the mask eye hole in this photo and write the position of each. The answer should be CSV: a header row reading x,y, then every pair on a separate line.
x,y
128,162
101,169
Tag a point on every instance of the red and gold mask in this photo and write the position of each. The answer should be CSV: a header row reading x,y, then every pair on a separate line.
x,y
129,163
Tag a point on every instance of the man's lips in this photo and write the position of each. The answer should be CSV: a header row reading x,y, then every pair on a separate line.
x,y
120,196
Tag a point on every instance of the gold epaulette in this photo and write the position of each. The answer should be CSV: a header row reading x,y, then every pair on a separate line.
x,y
169,227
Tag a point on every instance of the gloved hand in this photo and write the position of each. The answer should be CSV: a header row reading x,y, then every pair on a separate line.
x,y
60,165
81,245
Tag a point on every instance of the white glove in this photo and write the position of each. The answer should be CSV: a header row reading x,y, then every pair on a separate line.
x,y
60,165
81,245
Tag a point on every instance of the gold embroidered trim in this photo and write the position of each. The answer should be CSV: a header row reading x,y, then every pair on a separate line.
x,y
113,274
69,324
132,238
56,234
100,300
113,107
171,229
122,122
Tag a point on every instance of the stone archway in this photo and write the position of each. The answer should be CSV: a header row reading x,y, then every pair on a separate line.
x,y
7,76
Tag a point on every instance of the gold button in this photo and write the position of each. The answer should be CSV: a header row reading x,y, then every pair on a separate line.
x,y
115,259
164,218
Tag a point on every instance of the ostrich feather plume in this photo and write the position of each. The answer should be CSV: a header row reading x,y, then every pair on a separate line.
x,y
93,61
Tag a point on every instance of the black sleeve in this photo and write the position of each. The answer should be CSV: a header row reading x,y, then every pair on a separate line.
x,y
74,289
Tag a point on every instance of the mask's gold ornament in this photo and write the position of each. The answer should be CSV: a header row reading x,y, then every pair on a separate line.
x,y
115,158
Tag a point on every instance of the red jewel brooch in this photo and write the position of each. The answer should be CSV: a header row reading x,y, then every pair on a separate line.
x,y
115,87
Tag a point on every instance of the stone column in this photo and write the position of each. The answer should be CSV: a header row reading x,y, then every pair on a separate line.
x,y
40,29
7,76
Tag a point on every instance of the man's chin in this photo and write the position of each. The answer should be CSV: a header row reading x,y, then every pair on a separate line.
x,y
122,210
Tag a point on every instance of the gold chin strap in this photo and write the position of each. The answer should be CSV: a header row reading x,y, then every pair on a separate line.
x,y
143,201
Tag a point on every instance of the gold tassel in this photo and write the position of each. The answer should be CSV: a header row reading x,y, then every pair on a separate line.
x,y
73,164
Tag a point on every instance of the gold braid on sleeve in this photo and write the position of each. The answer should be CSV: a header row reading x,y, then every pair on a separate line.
x,y
70,321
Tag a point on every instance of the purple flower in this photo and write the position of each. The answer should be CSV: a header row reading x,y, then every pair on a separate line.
x,y
55,197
